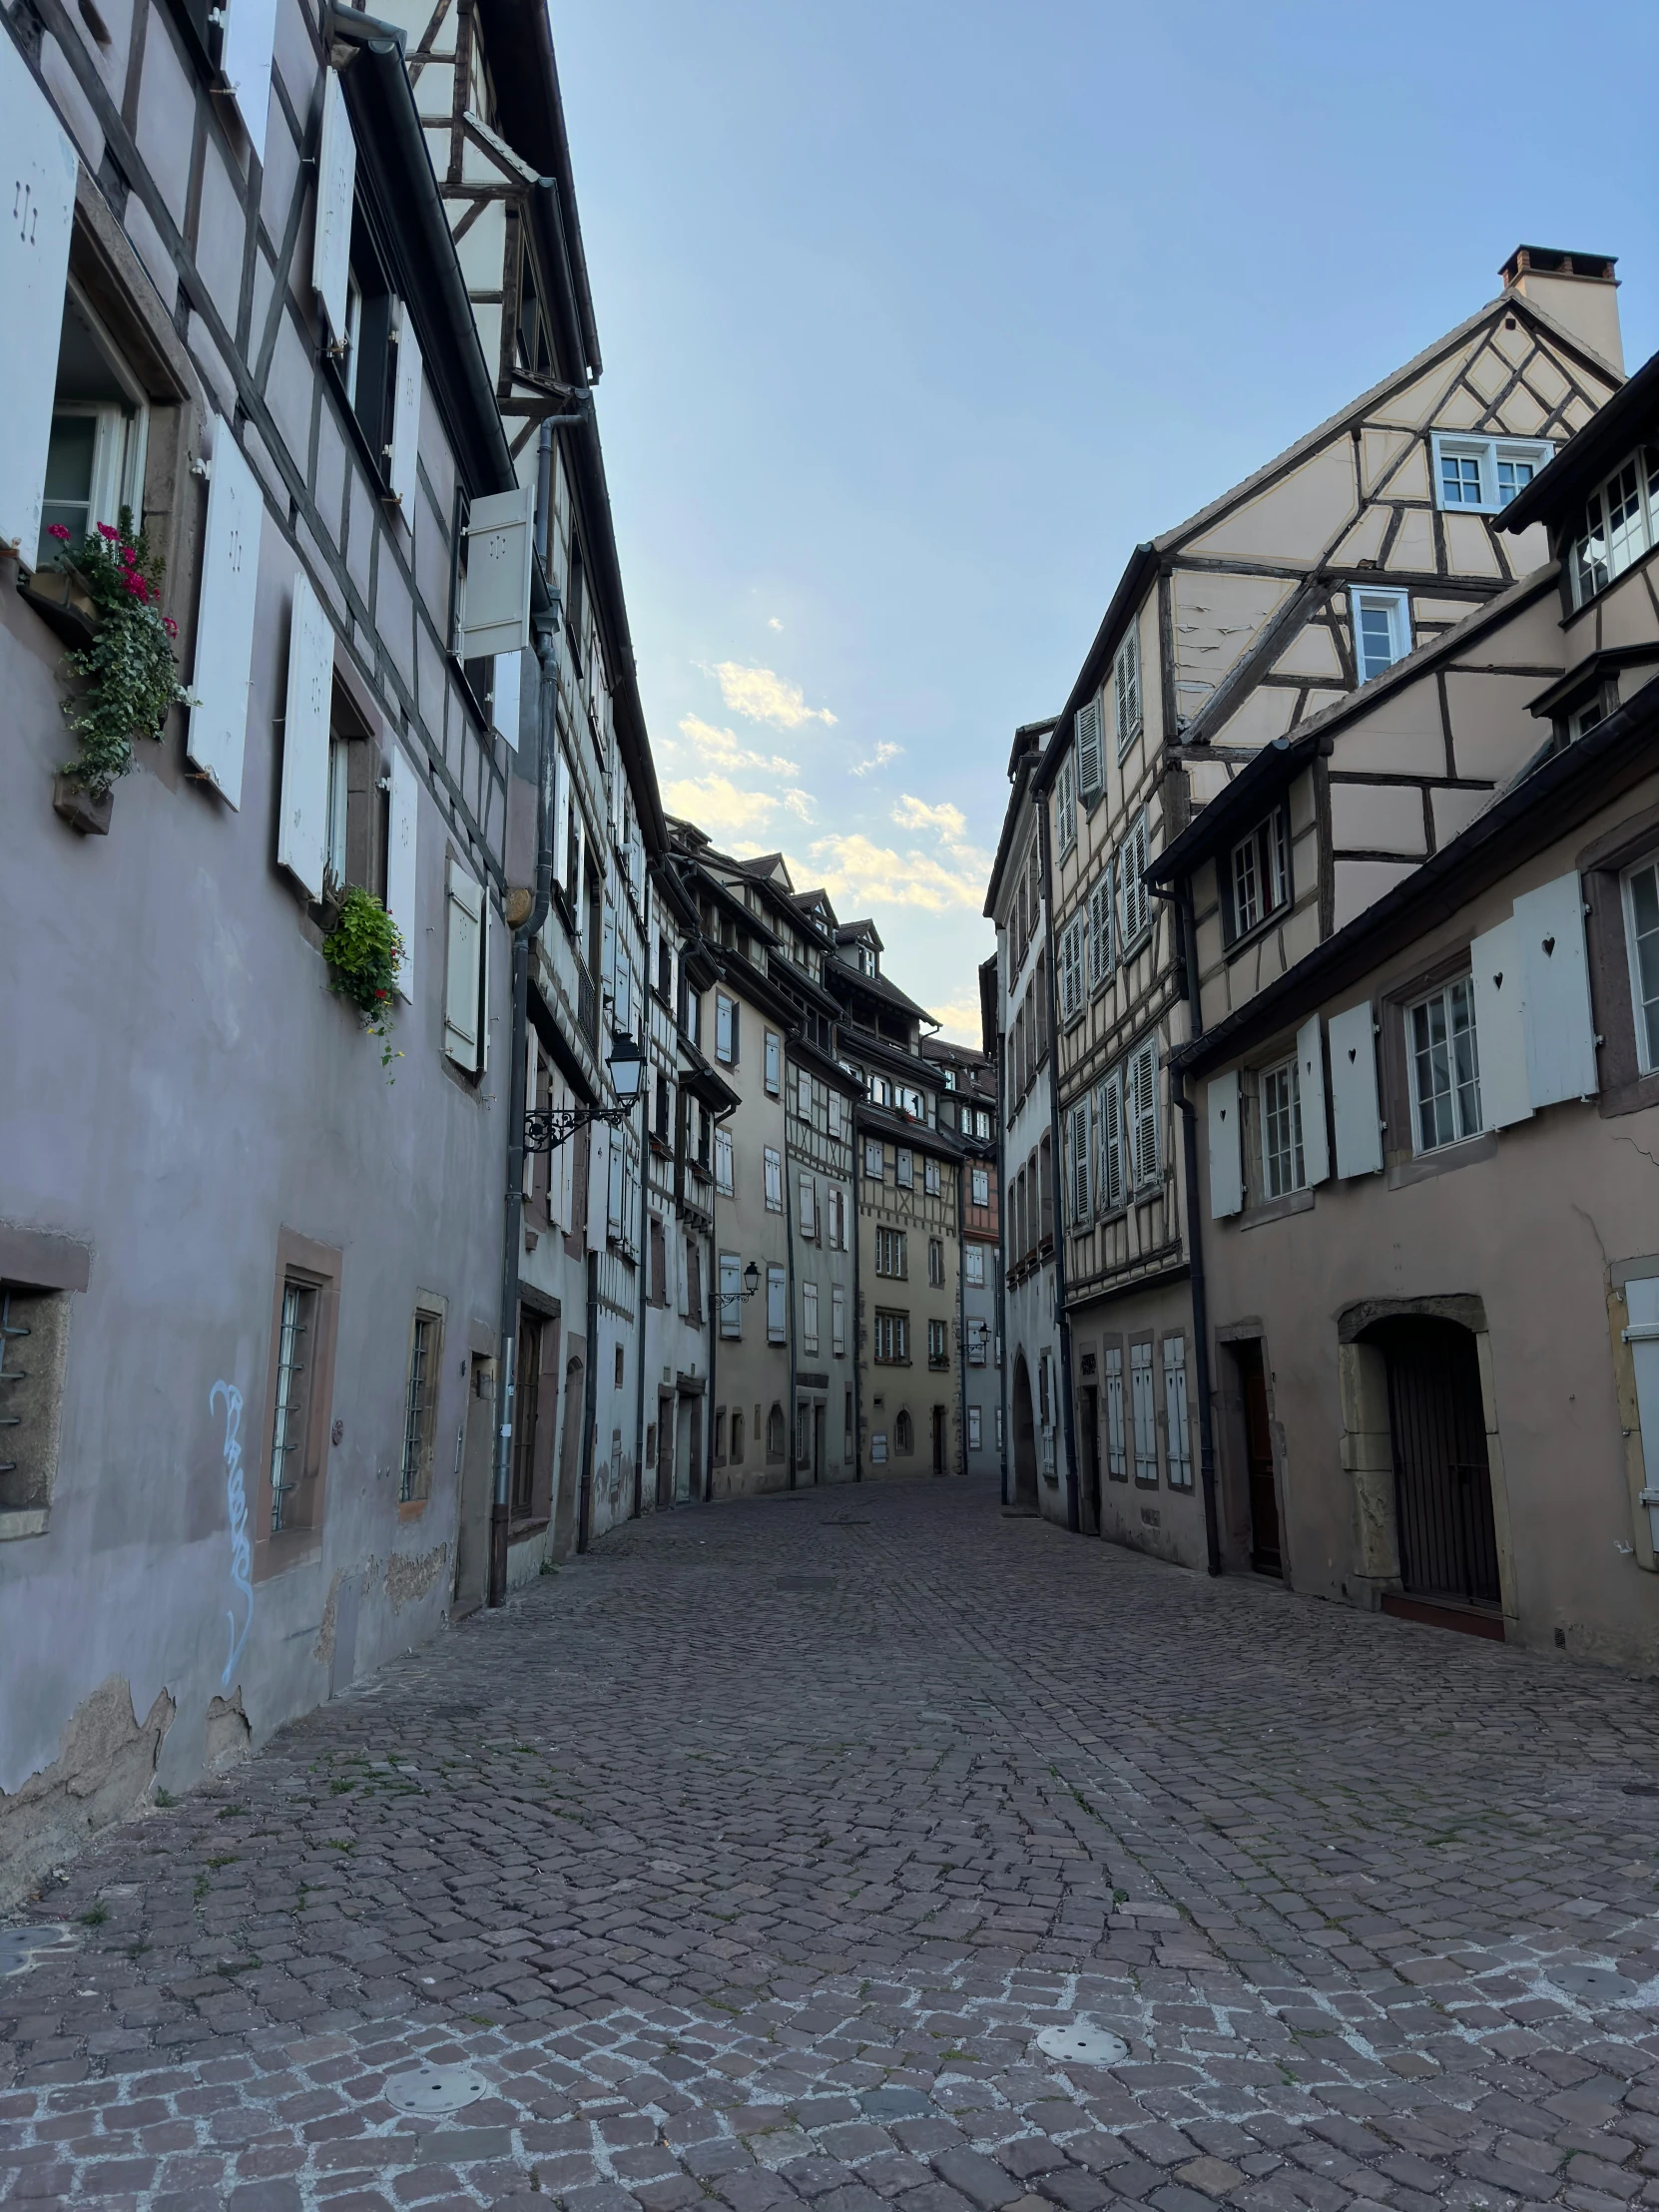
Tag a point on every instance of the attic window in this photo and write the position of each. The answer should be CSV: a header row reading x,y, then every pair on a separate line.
x,y
1482,475
1619,523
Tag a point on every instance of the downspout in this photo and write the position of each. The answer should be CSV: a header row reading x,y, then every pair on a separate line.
x,y
857,1305
1195,1243
717,1309
547,656
590,1407
1000,1303
644,1244
791,1435
1063,1319
961,1299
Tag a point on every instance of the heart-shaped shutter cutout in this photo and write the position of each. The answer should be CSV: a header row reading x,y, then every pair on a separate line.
x,y
1497,981
1549,947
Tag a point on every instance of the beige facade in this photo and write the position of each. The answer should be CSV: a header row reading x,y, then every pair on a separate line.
x,y
908,1332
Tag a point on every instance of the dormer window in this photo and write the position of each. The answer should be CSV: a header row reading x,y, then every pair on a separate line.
x,y
1382,630
1482,475
1259,875
1620,522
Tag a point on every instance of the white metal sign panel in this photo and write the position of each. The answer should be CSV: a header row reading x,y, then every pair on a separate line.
x,y
224,618
37,175
1353,1103
302,829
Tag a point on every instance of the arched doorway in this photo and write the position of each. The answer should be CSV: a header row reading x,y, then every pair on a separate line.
x,y
1444,1526
1025,1439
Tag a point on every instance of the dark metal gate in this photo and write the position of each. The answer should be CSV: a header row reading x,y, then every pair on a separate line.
x,y
1442,1484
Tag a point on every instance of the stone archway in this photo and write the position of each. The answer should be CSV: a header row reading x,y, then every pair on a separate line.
x,y
1025,1441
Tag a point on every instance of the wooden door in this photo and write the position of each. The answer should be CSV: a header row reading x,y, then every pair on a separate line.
x,y
1089,1413
1442,1484
1265,1556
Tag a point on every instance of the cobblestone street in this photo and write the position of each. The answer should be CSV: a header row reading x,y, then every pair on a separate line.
x,y
748,1858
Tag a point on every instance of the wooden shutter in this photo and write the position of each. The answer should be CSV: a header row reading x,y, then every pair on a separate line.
x,y
838,1318
723,1027
495,610
464,968
303,825
773,1063
1108,1109
1143,1115
1080,1165
402,816
403,455
1100,929
778,1311
1310,1076
1117,1458
1126,684
612,1184
1497,968
1089,772
1177,1429
1353,1100
561,822
730,1293
809,1317
1225,1152
1144,1412
1560,1028
39,174
1642,1334
808,1206
224,618
337,188
249,32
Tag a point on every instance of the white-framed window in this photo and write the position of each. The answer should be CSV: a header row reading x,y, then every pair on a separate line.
x,y
1065,807
723,1163
938,1343
1641,930
935,1262
892,1339
809,1317
1178,1445
1077,1157
1126,690
100,434
725,1029
974,1430
1619,523
837,1319
872,1158
1140,1113
1259,873
1445,1066
1482,475
1117,1458
774,1163
880,1091
1381,629
933,1180
973,1266
1143,1412
903,1168
1134,900
730,1295
1072,998
773,1063
1100,931
1108,1116
778,1305
979,1186
340,808
892,1252
1282,1162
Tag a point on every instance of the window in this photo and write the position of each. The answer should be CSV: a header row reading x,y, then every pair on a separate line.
x,y
420,1405
100,432
1077,1153
1382,630
1260,873
717,1449
722,1162
663,1123
774,1433
903,1436
1282,1167
999,1428
935,1262
872,1158
979,1186
938,1343
892,1339
1178,1447
1134,900
731,1298
1446,1068
890,1254
1641,928
837,1319
846,1429
1086,731
1482,475
778,1305
974,1265
903,1168
34,1334
526,1412
809,1317
725,1029
931,1178
774,1064
1619,523
296,1348
737,1435
1065,807
1126,690
808,1206
1117,1460
1071,971
773,1166
1140,1106
1143,1413
1108,1115
974,1434
1100,931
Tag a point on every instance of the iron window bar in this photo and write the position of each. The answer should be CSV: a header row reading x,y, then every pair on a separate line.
x,y
414,1412
8,1331
289,1374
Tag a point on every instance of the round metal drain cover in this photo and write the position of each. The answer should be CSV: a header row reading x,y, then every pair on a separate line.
x,y
1082,2041
1591,1981
20,1946
435,2088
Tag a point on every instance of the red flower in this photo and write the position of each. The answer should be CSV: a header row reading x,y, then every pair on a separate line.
x,y
129,559
170,626
104,531
58,530
137,586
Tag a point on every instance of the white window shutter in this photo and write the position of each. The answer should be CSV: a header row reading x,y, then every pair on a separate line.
x,y
561,822
463,1029
778,1310
838,1318
1497,967
1089,773
1309,1071
336,189
402,816
1225,1152
1642,1311
404,462
37,173
1143,1115
612,1184
1353,1099
504,711
1560,1030
303,827
249,34
224,618
1080,1164
1109,1137
495,617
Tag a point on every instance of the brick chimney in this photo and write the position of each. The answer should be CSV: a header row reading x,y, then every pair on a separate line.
x,y
1577,291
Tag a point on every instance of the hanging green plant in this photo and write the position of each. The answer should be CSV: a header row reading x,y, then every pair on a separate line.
x,y
129,679
364,952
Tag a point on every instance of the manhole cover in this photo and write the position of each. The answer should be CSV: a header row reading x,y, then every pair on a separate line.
x,y
806,1582
20,1946
1591,1981
435,2088
1083,2042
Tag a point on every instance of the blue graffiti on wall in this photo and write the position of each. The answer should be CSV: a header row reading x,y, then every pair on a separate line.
x,y
235,1498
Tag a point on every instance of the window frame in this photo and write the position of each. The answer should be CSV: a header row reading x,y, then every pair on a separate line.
x,y
1488,453
1283,1080
1065,808
1268,845
425,1365
297,1536
1644,459
891,1245
1441,994
938,1342
891,1327
1396,604
1646,1035
1128,703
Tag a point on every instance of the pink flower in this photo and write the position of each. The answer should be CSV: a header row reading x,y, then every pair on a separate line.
x,y
170,626
58,530
136,585
105,531
129,559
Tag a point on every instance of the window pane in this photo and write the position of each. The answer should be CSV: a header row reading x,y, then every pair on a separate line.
x,y
1644,919
1626,531
1589,553
1431,1073
1465,1060
1376,637
1461,479
1512,476
69,460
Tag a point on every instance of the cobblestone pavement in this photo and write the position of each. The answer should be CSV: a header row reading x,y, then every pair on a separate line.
x,y
748,1860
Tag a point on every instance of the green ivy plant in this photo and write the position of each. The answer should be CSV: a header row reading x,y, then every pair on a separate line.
x,y
364,952
129,679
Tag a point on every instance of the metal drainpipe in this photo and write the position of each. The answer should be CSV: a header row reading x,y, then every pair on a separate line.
x,y
716,1307
999,1303
590,1405
1068,1424
961,1291
792,1430
857,1303
646,1083
1182,902
547,703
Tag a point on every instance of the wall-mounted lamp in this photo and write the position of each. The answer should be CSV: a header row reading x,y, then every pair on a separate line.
x,y
546,1128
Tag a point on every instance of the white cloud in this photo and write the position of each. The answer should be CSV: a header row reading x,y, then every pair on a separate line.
x,y
721,749
879,758
865,874
772,623
800,802
948,820
961,1022
764,696
718,806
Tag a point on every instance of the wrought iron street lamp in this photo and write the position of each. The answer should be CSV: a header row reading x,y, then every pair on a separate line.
x,y
751,1284
548,1127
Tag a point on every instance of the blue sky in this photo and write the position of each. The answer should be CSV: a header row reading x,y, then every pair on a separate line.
x,y
917,316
